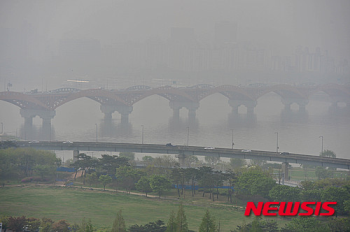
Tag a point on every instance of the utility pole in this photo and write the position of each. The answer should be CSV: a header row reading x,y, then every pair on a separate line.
x,y
188,134
96,131
321,143
277,142
142,135
232,139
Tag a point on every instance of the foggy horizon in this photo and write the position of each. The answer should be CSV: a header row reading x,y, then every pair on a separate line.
x,y
189,42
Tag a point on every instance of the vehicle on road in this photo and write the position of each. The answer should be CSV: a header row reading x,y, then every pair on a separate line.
x,y
209,148
245,150
284,153
169,145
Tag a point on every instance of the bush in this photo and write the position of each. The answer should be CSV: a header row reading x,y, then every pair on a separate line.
x,y
27,179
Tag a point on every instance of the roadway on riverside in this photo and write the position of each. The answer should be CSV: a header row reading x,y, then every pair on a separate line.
x,y
188,150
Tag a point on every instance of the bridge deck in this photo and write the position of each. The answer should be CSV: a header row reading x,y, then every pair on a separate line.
x,y
189,150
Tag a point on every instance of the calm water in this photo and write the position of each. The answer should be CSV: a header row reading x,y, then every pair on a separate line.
x,y
298,132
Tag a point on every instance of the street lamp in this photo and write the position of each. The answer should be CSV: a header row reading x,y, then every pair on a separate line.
x,y
96,131
277,142
188,134
232,139
142,135
322,144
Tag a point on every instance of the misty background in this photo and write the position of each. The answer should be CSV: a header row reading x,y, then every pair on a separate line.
x,y
190,42
109,44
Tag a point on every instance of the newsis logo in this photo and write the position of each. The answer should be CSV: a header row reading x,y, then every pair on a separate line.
x,y
290,208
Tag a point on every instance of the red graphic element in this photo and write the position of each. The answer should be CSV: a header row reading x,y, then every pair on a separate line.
x,y
290,208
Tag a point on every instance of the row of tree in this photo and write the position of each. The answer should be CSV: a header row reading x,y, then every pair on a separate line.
x,y
24,162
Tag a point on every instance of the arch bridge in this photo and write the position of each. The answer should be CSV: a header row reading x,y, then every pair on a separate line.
x,y
44,104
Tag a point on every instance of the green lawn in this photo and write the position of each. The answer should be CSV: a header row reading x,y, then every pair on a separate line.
x,y
73,204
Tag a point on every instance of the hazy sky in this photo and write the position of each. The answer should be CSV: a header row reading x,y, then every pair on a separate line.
x,y
280,23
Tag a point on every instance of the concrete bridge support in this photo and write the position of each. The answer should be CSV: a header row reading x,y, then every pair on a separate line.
x,y
108,110
191,106
182,157
75,155
124,111
176,107
29,114
46,116
249,104
285,170
336,100
287,102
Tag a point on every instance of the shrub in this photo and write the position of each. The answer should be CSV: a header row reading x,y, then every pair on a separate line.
x,y
27,179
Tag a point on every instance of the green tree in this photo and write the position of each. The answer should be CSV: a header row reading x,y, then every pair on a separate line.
x,y
313,195
128,155
159,184
328,153
91,178
208,223
284,193
60,226
109,163
85,226
207,179
336,194
256,227
339,224
33,224
171,226
119,223
212,160
147,159
347,206
143,185
237,163
249,181
43,170
105,179
323,173
46,224
263,186
309,224
16,223
181,221
127,176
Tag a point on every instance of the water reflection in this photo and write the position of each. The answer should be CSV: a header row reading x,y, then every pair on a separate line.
x,y
335,110
43,133
177,124
291,116
108,128
241,120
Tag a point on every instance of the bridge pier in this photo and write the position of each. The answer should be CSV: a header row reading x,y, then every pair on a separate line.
x,y
285,170
75,155
28,116
249,104
124,111
287,102
182,157
176,107
46,116
191,106
108,110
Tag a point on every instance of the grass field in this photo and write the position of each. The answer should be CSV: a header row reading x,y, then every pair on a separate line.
x,y
101,207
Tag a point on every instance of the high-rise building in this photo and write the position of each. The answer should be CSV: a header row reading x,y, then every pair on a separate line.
x,y
225,32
